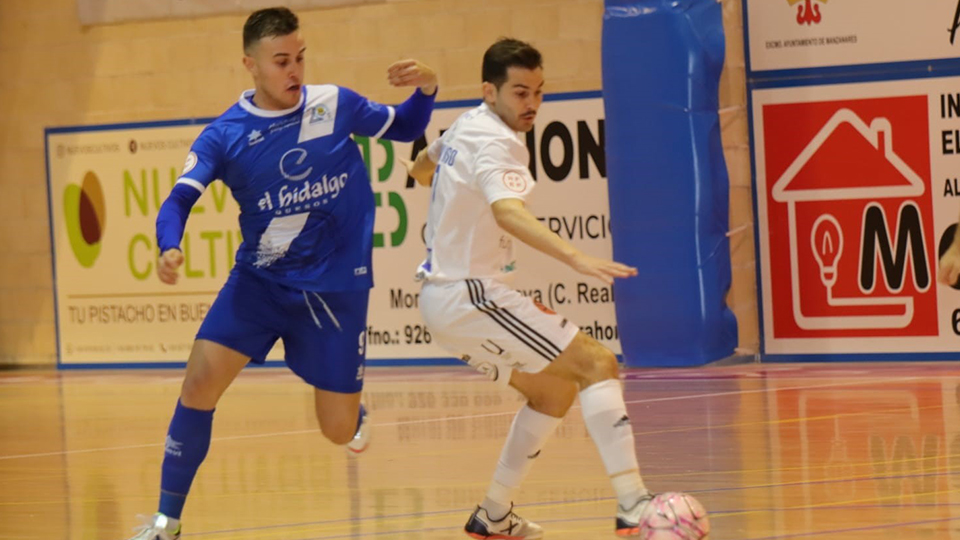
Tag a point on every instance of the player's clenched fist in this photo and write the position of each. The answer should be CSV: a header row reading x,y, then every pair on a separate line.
x,y
413,73
170,260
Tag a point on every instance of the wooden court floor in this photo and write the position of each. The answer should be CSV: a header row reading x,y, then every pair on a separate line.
x,y
851,451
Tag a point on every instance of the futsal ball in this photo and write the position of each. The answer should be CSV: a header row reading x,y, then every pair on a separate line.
x,y
674,516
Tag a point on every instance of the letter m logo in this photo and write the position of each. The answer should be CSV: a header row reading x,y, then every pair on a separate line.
x,y
907,245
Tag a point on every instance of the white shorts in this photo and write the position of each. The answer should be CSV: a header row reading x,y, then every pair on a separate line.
x,y
494,328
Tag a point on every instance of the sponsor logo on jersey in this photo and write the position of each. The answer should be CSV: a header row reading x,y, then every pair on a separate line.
x,y
320,113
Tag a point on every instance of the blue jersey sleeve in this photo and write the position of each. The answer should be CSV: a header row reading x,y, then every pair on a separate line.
x,y
203,166
366,117
204,161
411,118
172,217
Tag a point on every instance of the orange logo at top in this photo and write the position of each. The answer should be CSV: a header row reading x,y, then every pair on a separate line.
x,y
808,11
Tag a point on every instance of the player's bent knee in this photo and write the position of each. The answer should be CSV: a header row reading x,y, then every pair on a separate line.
x,y
601,362
199,391
587,361
210,370
607,364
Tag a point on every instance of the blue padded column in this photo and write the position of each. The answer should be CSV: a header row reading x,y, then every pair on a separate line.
x,y
668,179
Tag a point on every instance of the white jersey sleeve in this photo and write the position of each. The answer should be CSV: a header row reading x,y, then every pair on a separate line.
x,y
501,172
434,150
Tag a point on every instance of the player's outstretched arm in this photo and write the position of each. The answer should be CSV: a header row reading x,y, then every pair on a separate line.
x,y
421,168
950,262
513,217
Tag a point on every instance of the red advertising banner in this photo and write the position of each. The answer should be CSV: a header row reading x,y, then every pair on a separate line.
x,y
856,190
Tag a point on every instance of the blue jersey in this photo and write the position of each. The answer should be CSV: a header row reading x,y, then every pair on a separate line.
x,y
306,204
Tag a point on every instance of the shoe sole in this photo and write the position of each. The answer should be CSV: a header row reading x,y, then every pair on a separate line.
x,y
360,451
633,531
502,537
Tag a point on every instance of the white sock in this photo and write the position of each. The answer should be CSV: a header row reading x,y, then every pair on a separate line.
x,y
172,525
605,415
529,432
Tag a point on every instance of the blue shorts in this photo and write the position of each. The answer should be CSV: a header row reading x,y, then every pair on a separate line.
x,y
324,334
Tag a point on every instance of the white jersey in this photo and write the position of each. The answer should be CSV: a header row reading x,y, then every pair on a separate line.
x,y
480,160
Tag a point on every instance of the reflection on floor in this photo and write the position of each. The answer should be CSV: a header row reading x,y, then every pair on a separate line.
x,y
851,451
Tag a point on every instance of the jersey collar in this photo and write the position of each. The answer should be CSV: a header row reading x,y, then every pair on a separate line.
x,y
248,105
486,110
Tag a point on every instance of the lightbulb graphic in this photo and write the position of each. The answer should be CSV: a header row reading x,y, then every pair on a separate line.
x,y
826,239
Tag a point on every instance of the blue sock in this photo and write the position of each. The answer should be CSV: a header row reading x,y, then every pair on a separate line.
x,y
188,440
363,412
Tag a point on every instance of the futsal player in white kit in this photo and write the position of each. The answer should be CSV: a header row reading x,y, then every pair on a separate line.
x,y
479,178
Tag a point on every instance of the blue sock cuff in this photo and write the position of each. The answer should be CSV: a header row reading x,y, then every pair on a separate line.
x,y
192,414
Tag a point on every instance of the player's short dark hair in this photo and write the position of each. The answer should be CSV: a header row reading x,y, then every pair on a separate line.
x,y
270,22
507,53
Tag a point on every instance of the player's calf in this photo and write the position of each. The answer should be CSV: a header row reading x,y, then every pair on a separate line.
x,y
338,414
339,431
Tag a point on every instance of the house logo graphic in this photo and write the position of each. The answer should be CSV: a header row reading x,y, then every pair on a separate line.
x,y
850,219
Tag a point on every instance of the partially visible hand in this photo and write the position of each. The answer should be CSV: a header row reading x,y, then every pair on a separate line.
x,y
407,164
423,175
949,266
413,73
602,269
167,265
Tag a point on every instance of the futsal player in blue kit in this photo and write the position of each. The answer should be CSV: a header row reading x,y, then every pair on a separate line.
x,y
303,272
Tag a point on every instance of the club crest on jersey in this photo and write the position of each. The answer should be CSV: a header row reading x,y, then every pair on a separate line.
x,y
320,113
190,163
514,181
254,137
